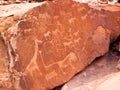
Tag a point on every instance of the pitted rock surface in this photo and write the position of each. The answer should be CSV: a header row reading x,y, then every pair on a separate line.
x,y
5,76
58,39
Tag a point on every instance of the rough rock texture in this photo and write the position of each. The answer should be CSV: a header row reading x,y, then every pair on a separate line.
x,y
7,22
15,10
9,16
6,2
5,76
94,76
55,41
98,2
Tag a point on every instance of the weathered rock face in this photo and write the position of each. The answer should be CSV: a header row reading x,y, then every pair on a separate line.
x,y
5,76
96,74
9,16
114,78
55,41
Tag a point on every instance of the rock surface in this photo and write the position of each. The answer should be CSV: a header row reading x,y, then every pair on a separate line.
x,y
5,76
7,2
53,42
108,84
16,9
9,16
98,2
98,76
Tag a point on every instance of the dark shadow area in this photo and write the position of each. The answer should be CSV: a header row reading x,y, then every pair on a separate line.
x,y
115,46
58,88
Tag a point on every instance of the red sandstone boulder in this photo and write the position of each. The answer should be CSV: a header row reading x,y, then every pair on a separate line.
x,y
55,41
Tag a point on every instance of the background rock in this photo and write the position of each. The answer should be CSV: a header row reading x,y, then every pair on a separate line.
x,y
98,76
98,2
108,84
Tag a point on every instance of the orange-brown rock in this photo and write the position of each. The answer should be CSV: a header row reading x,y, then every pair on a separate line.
x,y
7,22
5,76
55,41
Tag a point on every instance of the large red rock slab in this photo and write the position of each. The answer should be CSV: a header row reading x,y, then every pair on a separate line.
x,y
55,41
